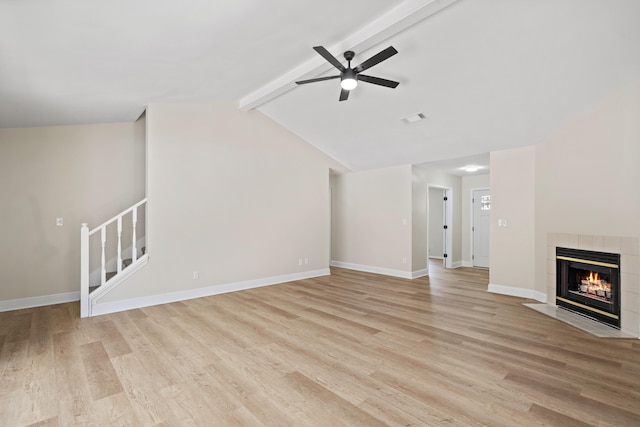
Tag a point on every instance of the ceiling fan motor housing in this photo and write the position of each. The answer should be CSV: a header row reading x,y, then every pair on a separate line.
x,y
349,73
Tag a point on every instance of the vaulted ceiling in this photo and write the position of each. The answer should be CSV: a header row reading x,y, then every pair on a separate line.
x,y
487,74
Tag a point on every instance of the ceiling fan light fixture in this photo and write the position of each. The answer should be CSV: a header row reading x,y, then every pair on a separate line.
x,y
348,84
348,80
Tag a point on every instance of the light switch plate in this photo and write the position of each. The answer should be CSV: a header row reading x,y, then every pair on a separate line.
x,y
59,222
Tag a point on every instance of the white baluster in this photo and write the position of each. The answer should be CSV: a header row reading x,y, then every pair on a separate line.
x,y
119,267
103,272
134,220
84,270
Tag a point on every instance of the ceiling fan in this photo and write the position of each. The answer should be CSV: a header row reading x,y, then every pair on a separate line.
x,y
349,77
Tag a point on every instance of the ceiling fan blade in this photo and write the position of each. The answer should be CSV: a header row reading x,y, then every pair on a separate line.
x,y
319,79
344,94
332,59
378,81
376,59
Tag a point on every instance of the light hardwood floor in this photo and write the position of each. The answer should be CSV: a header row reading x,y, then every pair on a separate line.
x,y
350,349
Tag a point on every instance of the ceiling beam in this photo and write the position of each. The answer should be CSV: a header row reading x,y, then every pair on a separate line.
x,y
391,23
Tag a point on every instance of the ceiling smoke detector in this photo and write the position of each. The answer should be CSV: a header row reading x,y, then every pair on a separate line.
x,y
412,118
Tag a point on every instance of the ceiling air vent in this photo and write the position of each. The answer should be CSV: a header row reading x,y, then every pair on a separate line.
x,y
412,118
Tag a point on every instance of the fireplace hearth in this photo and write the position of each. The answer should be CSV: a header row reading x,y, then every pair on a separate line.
x,y
588,282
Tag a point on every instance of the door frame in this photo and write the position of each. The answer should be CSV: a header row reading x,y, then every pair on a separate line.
x,y
448,219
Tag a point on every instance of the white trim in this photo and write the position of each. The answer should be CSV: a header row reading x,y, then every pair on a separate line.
x,y
112,263
420,273
467,264
448,233
539,296
18,304
516,292
447,220
133,303
120,215
118,279
456,264
369,269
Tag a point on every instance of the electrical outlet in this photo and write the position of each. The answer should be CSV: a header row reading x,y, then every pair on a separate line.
x,y
196,275
59,222
306,260
299,261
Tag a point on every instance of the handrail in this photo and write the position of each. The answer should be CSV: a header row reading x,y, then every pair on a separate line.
x,y
121,214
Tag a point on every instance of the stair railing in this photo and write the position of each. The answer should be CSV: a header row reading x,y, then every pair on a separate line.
x,y
85,233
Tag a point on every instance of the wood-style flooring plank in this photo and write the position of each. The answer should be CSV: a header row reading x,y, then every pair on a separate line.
x,y
72,387
553,418
102,378
143,394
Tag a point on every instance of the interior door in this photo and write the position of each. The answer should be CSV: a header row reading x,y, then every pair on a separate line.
x,y
436,223
481,223
448,228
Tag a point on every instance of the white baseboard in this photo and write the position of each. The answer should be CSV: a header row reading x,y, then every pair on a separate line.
x,y
133,303
18,304
539,296
379,270
470,264
456,264
419,273
517,292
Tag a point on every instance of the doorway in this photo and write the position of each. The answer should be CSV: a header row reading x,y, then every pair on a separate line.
x,y
439,227
481,206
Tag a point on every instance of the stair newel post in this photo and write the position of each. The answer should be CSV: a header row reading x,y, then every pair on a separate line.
x,y
84,270
134,220
103,261
119,267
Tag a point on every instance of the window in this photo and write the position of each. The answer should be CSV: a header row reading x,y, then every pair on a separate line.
x,y
485,203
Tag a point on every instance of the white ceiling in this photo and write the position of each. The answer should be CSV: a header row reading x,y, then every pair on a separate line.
x,y
488,74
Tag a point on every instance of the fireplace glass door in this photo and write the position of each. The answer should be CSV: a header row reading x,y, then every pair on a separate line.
x,y
588,282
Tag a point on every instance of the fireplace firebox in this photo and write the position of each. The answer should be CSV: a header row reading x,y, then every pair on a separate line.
x,y
588,282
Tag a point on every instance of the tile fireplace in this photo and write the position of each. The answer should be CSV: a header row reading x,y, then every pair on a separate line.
x,y
594,290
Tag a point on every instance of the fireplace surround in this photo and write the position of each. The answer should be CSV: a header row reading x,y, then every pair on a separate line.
x,y
629,249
